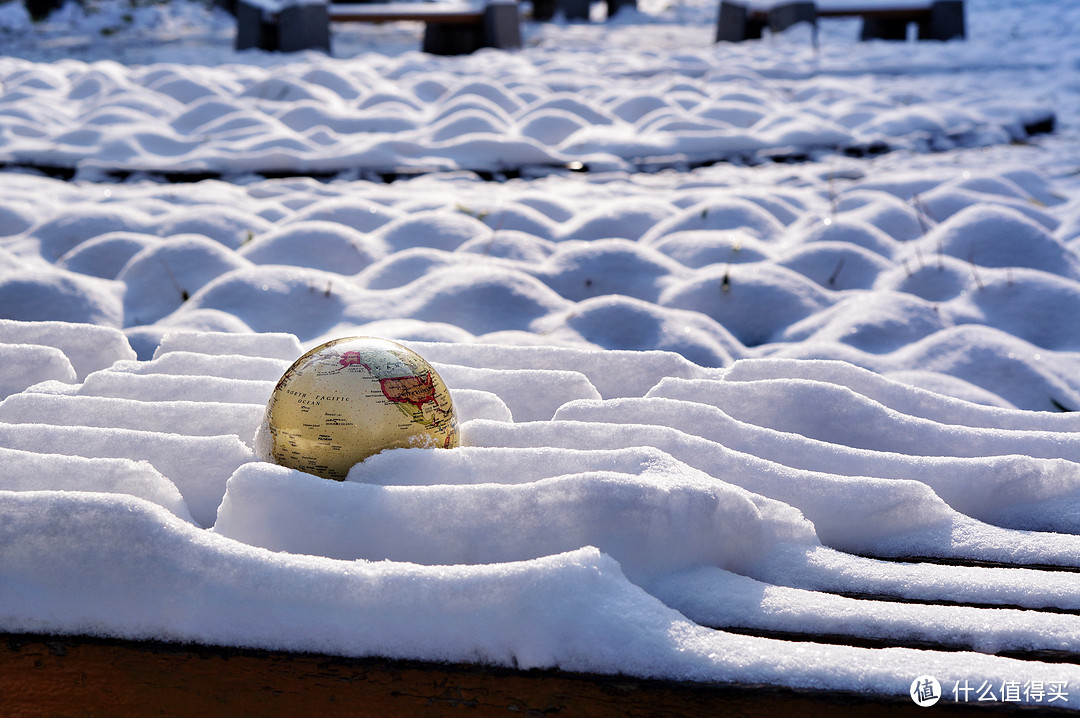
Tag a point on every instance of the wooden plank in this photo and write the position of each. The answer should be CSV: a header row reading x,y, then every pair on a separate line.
x,y
393,12
862,6
911,14
885,13
1042,655
57,675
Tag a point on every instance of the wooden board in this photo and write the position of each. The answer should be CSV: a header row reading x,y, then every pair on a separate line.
x,y
442,13
81,676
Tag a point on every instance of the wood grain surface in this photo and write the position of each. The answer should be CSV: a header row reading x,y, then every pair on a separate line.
x,y
81,676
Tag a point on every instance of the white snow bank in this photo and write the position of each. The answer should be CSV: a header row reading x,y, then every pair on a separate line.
x,y
176,387
35,471
829,570
715,597
529,394
838,415
575,611
612,373
725,263
199,466
478,404
897,395
967,463
683,519
191,418
691,521
677,104
268,345
876,511
810,333
29,364
88,347
223,366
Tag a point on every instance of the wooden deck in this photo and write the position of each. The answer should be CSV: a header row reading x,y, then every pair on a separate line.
x,y
61,676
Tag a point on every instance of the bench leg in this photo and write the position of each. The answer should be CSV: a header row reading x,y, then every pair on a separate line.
x,y
946,21
502,25
253,30
735,23
304,27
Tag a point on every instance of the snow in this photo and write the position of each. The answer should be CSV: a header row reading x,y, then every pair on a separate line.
x,y
730,328
40,471
521,613
29,364
191,418
496,523
88,348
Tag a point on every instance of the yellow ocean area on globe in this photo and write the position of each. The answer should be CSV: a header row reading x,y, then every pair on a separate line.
x,y
350,398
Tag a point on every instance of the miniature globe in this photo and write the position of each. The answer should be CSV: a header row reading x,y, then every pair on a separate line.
x,y
351,398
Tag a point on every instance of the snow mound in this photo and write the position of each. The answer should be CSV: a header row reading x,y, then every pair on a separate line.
x,y
532,544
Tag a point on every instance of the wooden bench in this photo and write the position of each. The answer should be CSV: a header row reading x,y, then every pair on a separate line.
x,y
450,28
884,20
80,675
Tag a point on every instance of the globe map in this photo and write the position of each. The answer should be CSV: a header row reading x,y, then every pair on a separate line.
x,y
354,397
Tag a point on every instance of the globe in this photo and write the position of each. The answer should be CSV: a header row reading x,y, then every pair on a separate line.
x,y
350,398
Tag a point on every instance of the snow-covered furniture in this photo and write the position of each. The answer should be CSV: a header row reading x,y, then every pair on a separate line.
x,y
882,19
451,28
